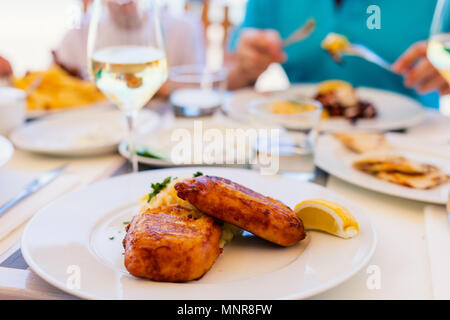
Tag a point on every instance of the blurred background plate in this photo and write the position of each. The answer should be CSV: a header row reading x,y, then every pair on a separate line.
x,y
79,133
6,150
88,223
33,114
332,157
155,148
395,111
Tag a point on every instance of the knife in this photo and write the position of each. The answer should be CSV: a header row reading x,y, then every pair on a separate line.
x,y
34,186
301,33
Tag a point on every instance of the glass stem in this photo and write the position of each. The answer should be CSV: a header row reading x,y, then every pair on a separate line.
x,y
131,121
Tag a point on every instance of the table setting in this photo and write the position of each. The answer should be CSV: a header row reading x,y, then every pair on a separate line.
x,y
111,189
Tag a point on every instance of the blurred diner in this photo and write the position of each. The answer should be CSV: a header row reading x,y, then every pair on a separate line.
x,y
399,38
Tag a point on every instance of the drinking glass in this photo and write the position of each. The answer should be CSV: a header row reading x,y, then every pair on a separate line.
x,y
299,117
127,56
196,90
438,51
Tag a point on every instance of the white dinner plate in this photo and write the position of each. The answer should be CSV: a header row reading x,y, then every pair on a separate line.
x,y
33,114
79,133
6,150
332,157
164,140
395,111
75,243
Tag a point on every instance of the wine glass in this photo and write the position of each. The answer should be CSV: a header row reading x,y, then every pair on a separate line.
x,y
127,56
438,50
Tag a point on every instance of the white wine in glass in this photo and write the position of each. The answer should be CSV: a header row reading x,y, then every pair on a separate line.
x,y
127,54
438,50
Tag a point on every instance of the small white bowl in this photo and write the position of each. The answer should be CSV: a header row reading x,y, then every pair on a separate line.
x,y
260,110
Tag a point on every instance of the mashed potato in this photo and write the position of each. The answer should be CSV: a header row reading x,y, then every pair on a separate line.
x,y
169,196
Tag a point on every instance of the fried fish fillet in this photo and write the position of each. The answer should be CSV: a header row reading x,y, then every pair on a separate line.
x,y
171,243
223,199
402,171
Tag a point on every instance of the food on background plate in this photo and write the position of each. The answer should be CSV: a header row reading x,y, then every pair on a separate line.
x,y
291,107
389,162
402,171
228,201
339,99
327,216
184,224
58,90
361,142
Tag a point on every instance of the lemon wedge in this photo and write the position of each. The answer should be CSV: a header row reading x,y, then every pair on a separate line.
x,y
327,216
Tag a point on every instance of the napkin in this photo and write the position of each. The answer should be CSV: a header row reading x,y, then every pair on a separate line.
x,y
437,229
12,182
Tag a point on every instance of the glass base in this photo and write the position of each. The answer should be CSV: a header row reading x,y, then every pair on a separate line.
x,y
193,112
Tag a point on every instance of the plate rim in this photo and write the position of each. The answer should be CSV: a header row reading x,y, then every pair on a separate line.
x,y
10,149
306,294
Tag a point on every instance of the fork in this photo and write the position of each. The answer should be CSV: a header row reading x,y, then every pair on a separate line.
x,y
301,33
361,51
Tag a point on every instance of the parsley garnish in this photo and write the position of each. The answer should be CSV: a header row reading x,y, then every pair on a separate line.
x,y
198,174
126,222
111,238
157,187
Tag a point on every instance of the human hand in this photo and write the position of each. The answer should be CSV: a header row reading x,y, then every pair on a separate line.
x,y
418,72
256,50
5,68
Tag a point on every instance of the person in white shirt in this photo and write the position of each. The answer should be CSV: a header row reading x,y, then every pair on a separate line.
x,y
184,40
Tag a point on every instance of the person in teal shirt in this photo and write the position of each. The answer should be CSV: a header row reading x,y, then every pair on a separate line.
x,y
396,33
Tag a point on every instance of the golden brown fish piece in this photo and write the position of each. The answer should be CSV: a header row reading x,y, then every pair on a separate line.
x,y
171,244
429,180
223,199
389,162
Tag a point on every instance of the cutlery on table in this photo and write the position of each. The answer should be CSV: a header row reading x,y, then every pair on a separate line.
x,y
31,188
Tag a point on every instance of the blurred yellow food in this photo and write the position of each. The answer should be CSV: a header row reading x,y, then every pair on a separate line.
x,y
291,107
327,216
58,90
334,43
331,85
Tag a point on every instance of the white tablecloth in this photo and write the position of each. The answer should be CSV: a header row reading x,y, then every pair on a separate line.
x,y
402,255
